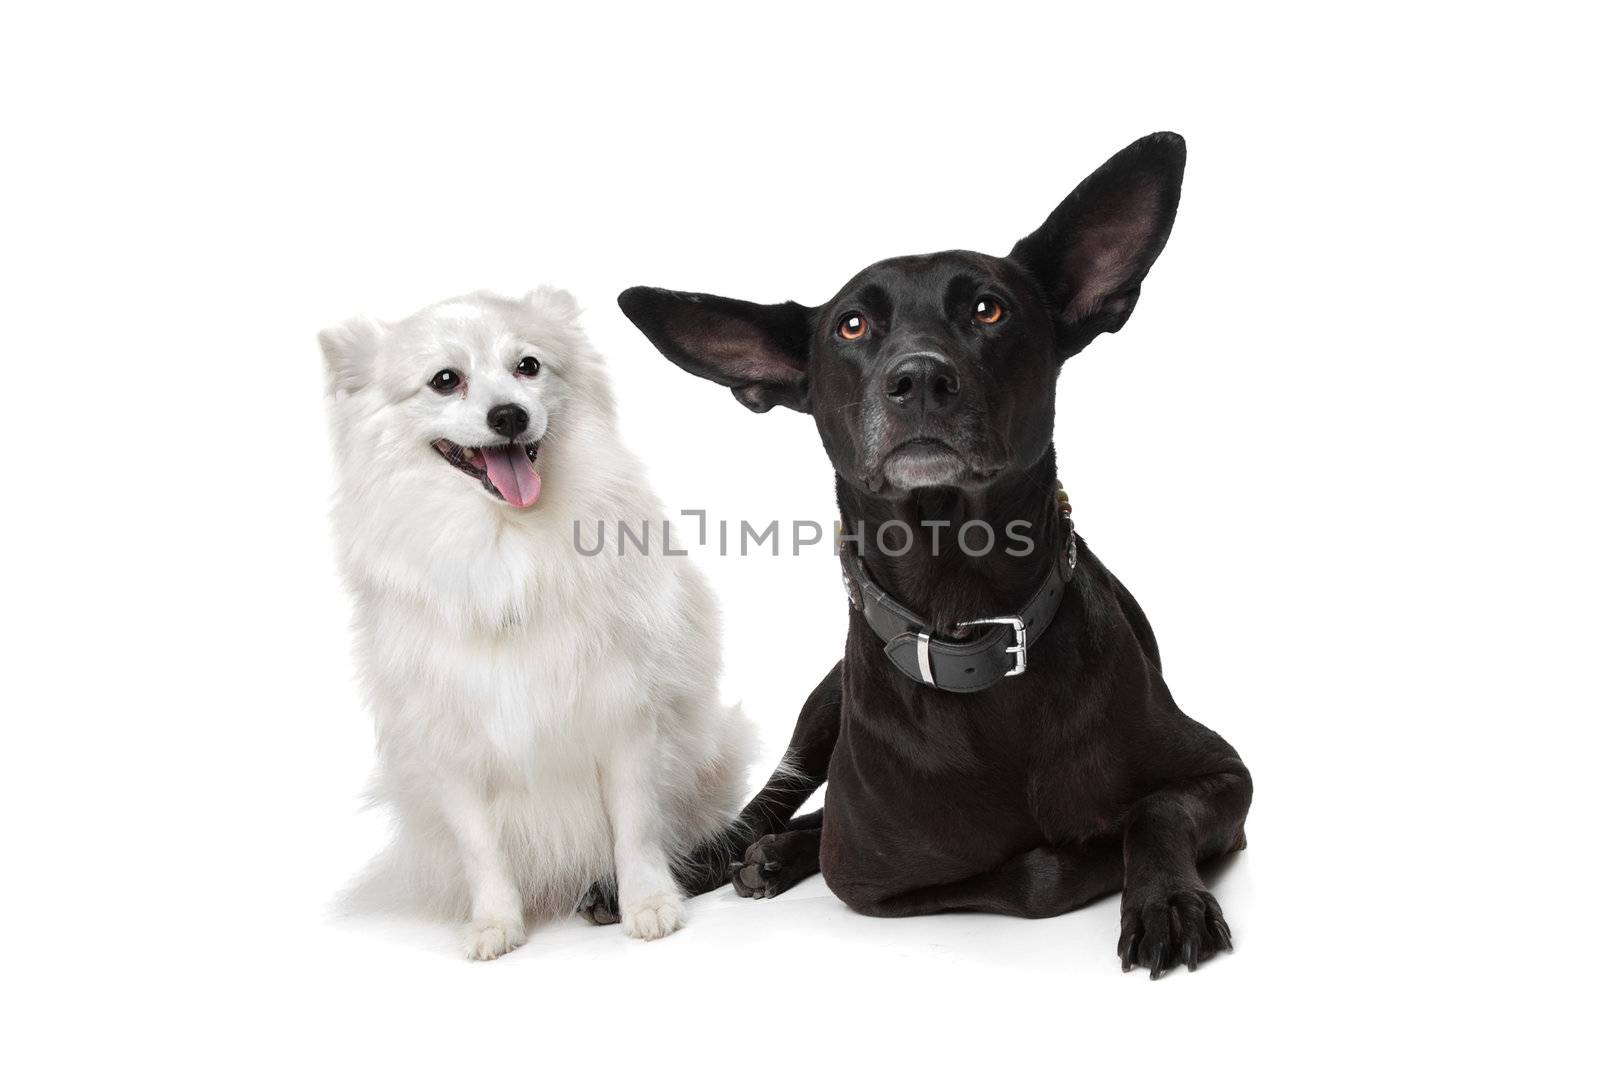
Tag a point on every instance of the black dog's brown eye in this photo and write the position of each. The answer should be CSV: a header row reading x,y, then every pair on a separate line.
x,y
989,311
528,366
852,327
446,381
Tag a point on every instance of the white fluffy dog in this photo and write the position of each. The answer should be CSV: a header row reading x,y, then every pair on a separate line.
x,y
545,719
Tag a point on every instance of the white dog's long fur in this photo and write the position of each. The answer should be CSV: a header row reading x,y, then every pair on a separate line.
x,y
544,718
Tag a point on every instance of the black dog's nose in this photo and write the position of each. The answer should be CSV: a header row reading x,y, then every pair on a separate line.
x,y
508,420
922,380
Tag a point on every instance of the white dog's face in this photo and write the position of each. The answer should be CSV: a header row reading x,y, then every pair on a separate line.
x,y
456,398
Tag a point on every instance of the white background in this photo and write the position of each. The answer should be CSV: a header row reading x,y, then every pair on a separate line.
x,y
1343,453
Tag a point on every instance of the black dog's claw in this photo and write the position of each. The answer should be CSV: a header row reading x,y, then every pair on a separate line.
x,y
1125,943
1217,927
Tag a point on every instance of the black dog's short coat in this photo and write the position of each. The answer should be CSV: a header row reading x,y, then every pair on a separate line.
x,y
932,382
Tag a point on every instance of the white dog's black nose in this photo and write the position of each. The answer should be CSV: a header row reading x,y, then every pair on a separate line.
x,y
922,380
508,420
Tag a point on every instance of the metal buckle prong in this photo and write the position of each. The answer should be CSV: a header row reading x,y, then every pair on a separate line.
x,y
1018,627
924,661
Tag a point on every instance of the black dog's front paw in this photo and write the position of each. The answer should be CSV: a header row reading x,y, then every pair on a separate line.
x,y
1162,929
764,871
599,904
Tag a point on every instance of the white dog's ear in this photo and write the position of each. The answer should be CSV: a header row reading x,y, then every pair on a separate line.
x,y
348,350
558,303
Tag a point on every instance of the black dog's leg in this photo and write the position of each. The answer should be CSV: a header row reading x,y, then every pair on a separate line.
x,y
1167,915
778,862
803,769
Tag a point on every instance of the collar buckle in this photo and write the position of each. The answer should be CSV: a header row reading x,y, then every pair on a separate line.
x,y
1019,628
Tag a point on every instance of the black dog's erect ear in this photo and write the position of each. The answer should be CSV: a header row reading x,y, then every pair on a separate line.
x,y
1092,253
757,350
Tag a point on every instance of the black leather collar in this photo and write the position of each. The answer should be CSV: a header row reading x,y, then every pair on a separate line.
x,y
959,664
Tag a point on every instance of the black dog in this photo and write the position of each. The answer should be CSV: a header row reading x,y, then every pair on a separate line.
x,y
998,736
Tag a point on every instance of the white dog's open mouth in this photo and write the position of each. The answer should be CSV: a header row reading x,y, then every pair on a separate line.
x,y
505,471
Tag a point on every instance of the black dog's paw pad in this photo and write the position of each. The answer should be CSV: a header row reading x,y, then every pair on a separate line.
x,y
1168,929
599,904
761,874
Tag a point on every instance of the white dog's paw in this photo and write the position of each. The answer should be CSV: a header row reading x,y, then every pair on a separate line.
x,y
657,915
492,938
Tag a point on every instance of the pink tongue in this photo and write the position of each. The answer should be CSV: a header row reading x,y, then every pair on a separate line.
x,y
512,473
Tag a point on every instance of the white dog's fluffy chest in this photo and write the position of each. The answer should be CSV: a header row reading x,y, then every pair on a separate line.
x,y
512,702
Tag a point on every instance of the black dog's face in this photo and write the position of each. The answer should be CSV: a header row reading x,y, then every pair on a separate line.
x,y
935,370
939,370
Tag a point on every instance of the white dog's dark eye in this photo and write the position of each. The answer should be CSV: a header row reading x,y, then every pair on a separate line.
x,y
528,367
446,381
